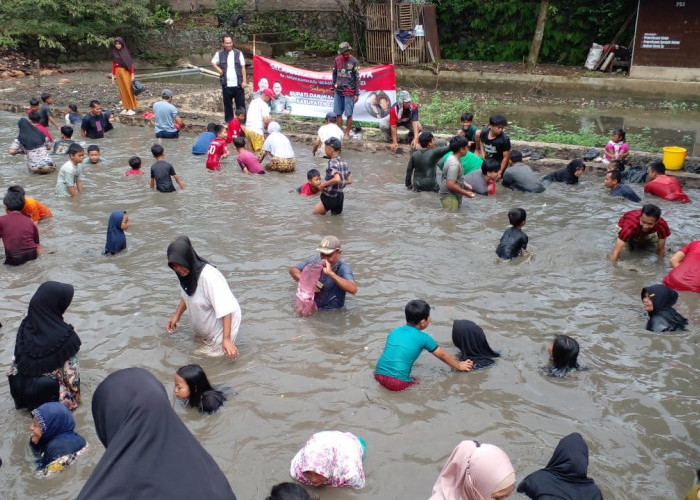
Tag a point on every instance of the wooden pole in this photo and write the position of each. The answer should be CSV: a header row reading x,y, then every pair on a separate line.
x,y
391,29
38,73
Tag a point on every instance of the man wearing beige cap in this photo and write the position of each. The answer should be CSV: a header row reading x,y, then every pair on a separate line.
x,y
336,278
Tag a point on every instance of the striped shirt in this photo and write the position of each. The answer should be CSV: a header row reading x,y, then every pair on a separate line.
x,y
630,226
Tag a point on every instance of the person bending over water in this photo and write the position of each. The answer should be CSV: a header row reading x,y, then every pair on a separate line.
x,y
569,174
403,346
330,458
565,475
640,228
149,453
214,312
192,386
53,440
685,275
475,471
471,341
658,301
563,354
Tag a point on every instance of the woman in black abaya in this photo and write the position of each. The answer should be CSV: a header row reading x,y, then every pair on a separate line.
x,y
471,341
150,454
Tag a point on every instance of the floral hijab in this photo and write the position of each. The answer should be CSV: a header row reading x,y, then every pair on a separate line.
x,y
335,455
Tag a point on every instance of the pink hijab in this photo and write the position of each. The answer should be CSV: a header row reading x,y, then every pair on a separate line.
x,y
473,472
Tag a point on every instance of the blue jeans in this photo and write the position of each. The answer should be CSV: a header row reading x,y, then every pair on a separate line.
x,y
343,104
168,135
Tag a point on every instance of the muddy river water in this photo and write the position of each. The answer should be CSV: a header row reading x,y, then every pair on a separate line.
x,y
636,404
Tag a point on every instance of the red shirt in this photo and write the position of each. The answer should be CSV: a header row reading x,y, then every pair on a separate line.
x,y
234,130
686,276
305,190
630,226
666,187
43,129
217,148
20,238
133,171
410,115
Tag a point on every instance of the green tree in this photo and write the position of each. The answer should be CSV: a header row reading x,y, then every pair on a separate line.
x,y
68,25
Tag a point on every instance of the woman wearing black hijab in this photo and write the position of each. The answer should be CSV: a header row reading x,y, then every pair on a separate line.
x,y
45,364
568,174
471,341
123,71
565,476
149,454
35,144
215,315
658,301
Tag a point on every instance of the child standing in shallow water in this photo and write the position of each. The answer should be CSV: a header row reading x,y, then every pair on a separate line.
x,y
513,241
404,345
217,149
338,176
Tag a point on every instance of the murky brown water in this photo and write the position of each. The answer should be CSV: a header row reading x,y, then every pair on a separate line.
x,y
636,405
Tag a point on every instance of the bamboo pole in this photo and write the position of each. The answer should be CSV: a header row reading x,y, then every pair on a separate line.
x,y
391,29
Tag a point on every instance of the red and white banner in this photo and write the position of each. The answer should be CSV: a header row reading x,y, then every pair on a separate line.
x,y
310,93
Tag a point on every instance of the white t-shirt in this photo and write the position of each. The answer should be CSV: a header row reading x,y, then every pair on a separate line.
x,y
231,76
278,145
329,130
257,110
212,301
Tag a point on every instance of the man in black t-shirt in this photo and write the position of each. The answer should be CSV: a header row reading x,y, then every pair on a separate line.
x,y
95,123
491,142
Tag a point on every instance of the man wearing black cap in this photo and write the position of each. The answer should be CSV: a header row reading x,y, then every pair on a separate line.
x,y
346,85
336,278
168,122
338,176
326,131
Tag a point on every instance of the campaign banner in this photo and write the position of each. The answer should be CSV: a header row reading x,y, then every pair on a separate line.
x,y
309,93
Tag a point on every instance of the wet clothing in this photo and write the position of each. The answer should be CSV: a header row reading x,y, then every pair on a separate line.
x,y
248,160
666,187
336,166
664,318
474,471
494,148
45,344
201,146
96,126
280,149
44,114
331,296
162,172
478,183
686,276
335,455
150,453
565,475
512,243
133,171
20,237
233,130
61,146
420,171
471,341
334,204
59,444
470,162
305,190
34,143
626,192
35,210
630,227
73,119
566,175
217,149
116,239
165,114
30,137
182,252
520,177
403,346
451,171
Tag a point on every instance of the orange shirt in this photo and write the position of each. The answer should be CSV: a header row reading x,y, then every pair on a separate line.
x,y
35,210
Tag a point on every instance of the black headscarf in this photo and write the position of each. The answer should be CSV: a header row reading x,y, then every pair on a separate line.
x,y
44,341
565,474
29,136
150,454
566,174
664,318
122,56
181,252
471,341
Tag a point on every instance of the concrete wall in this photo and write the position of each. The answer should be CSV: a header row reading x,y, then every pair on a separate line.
x,y
659,73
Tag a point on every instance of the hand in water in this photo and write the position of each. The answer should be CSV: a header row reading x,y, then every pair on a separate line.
x,y
171,326
230,349
465,366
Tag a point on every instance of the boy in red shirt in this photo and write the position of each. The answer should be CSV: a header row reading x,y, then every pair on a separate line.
x,y
217,148
234,126
313,185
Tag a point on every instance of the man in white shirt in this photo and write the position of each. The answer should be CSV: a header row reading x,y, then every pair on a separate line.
x,y
230,65
257,118
326,131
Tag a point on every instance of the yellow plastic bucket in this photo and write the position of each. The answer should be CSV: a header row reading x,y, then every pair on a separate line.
x,y
673,157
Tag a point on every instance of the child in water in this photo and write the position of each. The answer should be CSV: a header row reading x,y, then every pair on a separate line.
x,y
513,241
193,387
563,353
617,148
53,439
313,184
658,301
134,166
116,239
217,149
93,155
330,458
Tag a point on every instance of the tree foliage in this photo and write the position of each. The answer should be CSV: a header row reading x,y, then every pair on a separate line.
x,y
64,25
503,30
